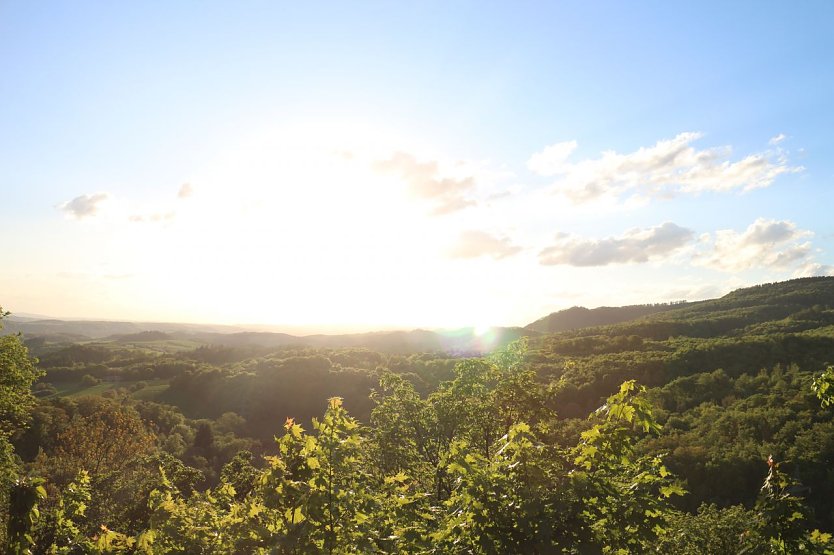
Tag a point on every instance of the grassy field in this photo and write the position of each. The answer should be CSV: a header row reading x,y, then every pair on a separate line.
x,y
162,346
76,389
150,393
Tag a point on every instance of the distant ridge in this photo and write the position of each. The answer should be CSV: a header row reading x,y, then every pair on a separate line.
x,y
460,341
804,301
739,310
581,317
464,341
97,329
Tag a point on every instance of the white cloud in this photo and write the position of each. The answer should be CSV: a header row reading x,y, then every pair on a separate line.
x,y
473,244
765,244
814,269
551,160
777,246
635,245
777,139
447,194
84,206
691,292
156,217
186,190
670,167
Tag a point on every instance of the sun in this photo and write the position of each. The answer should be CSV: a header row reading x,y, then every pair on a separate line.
x,y
297,226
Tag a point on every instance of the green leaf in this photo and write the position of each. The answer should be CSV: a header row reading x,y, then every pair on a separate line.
x,y
672,489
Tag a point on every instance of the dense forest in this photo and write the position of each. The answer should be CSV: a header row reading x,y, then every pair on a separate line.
x,y
701,427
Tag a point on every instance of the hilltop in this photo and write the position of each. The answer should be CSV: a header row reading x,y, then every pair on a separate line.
x,y
581,317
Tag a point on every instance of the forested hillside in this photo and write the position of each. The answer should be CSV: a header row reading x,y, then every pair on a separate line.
x,y
47,335
581,317
176,445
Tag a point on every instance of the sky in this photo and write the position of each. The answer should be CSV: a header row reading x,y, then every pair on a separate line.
x,y
339,166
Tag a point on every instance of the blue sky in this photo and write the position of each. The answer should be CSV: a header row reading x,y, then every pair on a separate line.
x,y
369,165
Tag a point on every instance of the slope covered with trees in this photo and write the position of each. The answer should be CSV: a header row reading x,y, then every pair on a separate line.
x,y
691,409
580,317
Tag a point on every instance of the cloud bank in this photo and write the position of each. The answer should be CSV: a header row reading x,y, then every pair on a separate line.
x,y
634,246
769,244
473,244
84,206
447,194
668,168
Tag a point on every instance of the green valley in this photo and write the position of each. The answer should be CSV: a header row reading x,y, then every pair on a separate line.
x,y
429,443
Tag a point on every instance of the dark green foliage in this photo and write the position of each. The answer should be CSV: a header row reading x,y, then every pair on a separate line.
x,y
581,317
23,513
732,377
204,440
480,455
18,494
713,530
17,374
824,387
76,355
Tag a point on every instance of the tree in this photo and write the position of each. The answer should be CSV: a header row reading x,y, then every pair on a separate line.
x,y
823,386
626,494
204,440
713,530
17,374
110,443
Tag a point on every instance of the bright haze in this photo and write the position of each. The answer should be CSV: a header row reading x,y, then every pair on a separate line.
x,y
371,165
